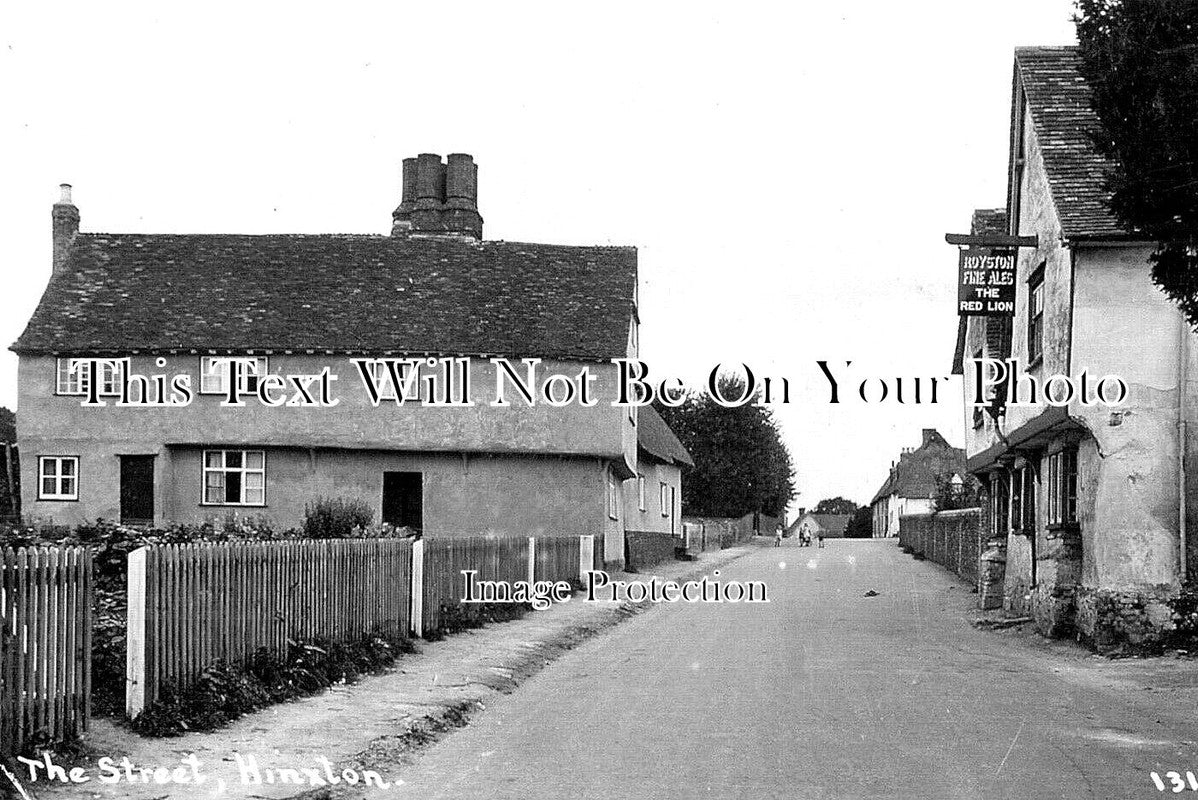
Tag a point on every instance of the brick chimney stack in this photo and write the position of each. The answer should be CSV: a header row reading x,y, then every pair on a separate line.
x,y
439,198
65,217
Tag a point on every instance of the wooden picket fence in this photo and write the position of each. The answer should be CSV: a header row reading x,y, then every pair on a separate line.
x,y
495,558
557,559
192,604
45,645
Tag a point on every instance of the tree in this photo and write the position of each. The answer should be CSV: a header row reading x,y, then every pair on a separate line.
x,y
1141,61
952,492
861,526
835,505
8,426
741,464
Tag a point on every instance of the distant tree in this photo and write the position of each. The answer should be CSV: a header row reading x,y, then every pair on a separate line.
x,y
1141,61
741,463
861,526
8,426
835,505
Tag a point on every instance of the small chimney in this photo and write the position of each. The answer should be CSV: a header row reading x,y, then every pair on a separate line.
x,y
65,218
439,198
929,436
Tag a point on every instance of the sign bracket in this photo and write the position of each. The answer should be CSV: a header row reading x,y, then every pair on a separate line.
x,y
991,240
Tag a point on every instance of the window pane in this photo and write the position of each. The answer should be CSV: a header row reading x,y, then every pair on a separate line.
x,y
232,487
67,487
213,375
49,466
214,494
253,459
48,487
233,459
68,466
253,480
212,458
253,496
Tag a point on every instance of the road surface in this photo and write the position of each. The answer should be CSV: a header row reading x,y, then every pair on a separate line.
x,y
824,693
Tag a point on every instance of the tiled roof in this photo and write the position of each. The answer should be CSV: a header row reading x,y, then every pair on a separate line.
x,y
1058,99
832,523
373,294
655,438
914,476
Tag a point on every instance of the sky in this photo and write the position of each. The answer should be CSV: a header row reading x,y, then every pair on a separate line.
x,y
787,171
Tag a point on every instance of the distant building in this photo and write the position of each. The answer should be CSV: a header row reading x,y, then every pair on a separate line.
x,y
831,526
1090,506
911,485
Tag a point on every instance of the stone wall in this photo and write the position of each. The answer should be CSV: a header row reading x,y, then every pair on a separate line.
x,y
1131,620
952,539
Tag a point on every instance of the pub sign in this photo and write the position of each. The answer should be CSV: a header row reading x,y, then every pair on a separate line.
x,y
986,284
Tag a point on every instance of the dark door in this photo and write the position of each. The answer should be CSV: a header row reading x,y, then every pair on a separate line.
x,y
403,499
137,489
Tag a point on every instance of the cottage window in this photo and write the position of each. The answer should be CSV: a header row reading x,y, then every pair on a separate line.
x,y
1062,487
214,374
640,492
1035,317
613,496
1000,503
234,477
58,478
665,499
387,388
72,376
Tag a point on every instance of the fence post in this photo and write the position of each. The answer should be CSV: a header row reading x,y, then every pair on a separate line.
x,y
532,560
135,650
416,595
586,557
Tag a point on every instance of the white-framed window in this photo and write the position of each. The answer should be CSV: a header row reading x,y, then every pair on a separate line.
x,y
665,499
214,374
409,376
58,478
613,496
1035,316
234,478
640,492
71,378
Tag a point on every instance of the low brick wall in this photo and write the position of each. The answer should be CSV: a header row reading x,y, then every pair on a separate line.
x,y
647,549
952,539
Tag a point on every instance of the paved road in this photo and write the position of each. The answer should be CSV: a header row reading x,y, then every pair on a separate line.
x,y
823,693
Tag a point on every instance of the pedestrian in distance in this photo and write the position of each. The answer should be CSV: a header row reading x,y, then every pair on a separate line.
x,y
778,535
821,537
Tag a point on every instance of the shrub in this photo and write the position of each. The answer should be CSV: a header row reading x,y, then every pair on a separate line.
x,y
335,518
223,692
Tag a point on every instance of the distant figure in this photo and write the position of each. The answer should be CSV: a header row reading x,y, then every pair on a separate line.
x,y
778,535
820,534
